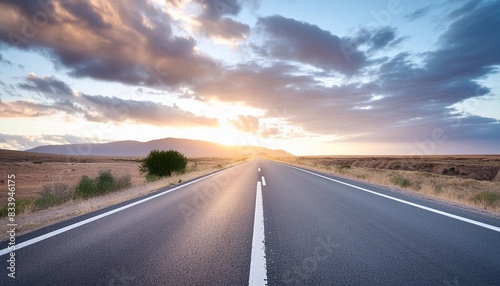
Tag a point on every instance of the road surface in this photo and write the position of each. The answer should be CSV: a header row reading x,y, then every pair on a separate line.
x,y
264,222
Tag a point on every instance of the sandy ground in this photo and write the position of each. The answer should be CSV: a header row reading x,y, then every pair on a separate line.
x,y
34,171
452,179
477,167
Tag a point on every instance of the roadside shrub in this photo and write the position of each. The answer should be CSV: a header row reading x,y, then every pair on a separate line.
x,y
53,195
436,187
163,163
104,183
85,188
487,199
152,178
344,167
21,206
123,182
192,168
398,180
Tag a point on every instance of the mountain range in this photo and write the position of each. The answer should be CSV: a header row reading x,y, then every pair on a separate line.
x,y
190,148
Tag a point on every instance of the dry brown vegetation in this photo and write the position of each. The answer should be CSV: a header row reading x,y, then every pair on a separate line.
x,y
472,181
34,172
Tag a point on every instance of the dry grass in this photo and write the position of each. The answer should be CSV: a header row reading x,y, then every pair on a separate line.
x,y
473,193
31,220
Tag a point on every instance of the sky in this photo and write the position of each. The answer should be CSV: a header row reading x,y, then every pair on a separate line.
x,y
309,77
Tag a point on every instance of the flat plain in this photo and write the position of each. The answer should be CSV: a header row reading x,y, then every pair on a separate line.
x,y
36,172
471,181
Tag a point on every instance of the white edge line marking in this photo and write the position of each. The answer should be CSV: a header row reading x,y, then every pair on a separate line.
x,y
258,269
263,181
83,222
494,228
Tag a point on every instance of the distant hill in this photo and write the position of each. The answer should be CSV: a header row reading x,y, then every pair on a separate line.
x,y
190,148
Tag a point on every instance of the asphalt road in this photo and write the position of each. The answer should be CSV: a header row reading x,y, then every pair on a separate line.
x,y
315,231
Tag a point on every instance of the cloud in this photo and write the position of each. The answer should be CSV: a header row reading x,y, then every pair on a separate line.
x,y
469,48
24,108
126,41
406,98
352,93
464,9
309,105
5,61
61,98
216,9
291,40
87,13
226,29
47,85
249,123
113,109
419,13
215,22
25,142
377,39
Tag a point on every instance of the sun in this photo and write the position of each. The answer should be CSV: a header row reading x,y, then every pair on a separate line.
x,y
227,134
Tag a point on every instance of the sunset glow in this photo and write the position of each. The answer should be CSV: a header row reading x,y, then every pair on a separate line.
x,y
311,78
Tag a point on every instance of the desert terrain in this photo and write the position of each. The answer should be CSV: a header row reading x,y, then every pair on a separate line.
x,y
35,172
468,180
461,180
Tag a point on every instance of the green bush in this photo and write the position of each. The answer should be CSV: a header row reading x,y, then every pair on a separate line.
x,y
487,199
398,180
85,188
21,205
163,163
53,195
102,184
152,178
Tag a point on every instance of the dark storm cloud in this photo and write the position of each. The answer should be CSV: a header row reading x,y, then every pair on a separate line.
x,y
97,108
126,41
292,40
